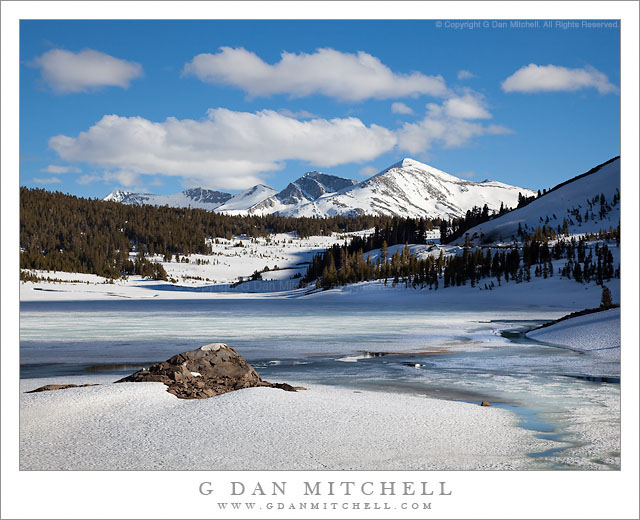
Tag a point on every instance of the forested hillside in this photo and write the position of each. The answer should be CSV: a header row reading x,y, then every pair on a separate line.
x,y
583,260
65,233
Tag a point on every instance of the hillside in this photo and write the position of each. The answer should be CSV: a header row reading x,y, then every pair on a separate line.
x,y
239,202
587,203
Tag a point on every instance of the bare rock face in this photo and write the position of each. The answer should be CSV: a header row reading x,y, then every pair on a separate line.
x,y
210,370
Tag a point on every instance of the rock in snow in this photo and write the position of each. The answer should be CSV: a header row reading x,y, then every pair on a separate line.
x,y
219,369
47,388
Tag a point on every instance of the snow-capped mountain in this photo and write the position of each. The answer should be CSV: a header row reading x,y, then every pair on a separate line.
x,y
589,203
241,202
411,189
194,198
203,196
128,197
406,189
307,189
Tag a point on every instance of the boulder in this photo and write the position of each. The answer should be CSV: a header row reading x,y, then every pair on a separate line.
x,y
210,370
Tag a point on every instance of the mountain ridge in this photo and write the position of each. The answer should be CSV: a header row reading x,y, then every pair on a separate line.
x,y
407,188
413,189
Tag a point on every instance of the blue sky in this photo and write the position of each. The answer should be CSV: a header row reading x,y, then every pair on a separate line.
x,y
160,106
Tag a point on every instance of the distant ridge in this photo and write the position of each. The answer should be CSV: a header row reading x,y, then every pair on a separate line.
x,y
407,188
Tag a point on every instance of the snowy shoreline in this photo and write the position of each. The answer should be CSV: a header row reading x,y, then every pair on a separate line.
x,y
141,426
567,294
598,331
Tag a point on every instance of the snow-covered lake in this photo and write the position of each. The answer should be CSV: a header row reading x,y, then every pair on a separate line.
x,y
434,350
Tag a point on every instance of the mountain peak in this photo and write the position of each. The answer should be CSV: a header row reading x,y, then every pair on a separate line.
x,y
124,195
116,194
313,173
422,168
206,195
408,162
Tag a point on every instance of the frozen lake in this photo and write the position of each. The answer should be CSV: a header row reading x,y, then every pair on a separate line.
x,y
434,350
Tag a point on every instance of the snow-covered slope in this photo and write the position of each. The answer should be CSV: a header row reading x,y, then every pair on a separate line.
x,y
412,189
573,200
597,331
244,200
194,198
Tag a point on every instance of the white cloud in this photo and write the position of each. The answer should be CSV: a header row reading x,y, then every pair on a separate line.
x,y
401,108
52,168
48,180
123,177
227,150
234,150
471,105
468,174
465,74
553,78
344,76
446,126
88,179
67,72
368,171
300,114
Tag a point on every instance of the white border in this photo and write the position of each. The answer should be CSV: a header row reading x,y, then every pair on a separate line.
x,y
174,495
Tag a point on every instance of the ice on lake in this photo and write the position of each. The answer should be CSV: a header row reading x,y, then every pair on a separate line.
x,y
438,351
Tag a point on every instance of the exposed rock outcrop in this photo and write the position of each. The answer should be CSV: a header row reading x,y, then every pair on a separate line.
x,y
210,370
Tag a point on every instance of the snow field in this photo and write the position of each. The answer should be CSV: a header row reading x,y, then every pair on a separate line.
x,y
599,331
229,263
241,257
141,426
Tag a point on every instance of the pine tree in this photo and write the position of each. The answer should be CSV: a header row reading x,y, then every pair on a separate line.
x,y
606,302
577,272
383,252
